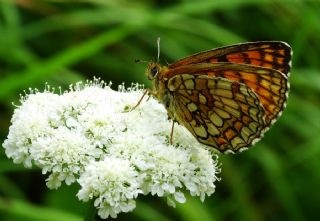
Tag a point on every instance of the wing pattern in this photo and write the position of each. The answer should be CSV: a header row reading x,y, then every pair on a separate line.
x,y
229,96
269,54
270,86
219,112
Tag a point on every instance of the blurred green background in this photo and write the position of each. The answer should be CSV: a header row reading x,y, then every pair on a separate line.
x,y
62,42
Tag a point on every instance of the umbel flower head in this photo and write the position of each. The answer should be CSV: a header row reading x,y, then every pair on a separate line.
x,y
87,135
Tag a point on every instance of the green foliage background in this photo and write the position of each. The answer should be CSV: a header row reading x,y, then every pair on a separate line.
x,y
62,42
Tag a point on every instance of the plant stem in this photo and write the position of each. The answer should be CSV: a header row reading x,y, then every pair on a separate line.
x,y
91,212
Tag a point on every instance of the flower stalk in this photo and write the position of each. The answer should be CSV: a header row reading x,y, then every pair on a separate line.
x,y
91,212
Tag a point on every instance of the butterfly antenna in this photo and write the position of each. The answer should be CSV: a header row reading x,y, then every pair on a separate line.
x,y
158,44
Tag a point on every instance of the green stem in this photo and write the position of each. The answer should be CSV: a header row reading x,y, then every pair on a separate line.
x,y
91,212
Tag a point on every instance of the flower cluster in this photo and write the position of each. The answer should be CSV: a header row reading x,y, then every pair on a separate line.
x,y
89,135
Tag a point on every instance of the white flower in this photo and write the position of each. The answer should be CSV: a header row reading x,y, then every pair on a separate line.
x,y
113,183
87,135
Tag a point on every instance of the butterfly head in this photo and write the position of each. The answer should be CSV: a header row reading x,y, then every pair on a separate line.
x,y
153,70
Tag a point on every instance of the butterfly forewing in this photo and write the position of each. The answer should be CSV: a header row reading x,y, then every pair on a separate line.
x,y
269,54
218,112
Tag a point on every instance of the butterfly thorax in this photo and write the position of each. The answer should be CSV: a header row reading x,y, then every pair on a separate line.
x,y
157,74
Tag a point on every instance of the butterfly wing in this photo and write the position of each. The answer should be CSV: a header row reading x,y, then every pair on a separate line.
x,y
270,86
221,113
269,54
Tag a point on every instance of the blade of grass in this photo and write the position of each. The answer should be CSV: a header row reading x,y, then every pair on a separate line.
x,y
26,210
208,6
148,213
68,57
10,189
194,209
240,192
6,165
274,171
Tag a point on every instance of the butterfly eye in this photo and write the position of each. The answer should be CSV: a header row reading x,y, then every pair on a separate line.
x,y
154,71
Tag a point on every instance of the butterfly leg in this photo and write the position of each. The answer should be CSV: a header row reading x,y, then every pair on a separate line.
x,y
144,94
171,133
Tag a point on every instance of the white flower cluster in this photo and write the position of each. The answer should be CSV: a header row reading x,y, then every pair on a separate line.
x,y
87,135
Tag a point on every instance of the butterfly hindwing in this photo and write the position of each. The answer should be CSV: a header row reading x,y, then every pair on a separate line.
x,y
219,112
270,86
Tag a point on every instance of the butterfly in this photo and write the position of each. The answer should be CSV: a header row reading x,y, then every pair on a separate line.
x,y
227,97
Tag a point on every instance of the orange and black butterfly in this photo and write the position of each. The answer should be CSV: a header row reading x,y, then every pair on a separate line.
x,y
226,97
